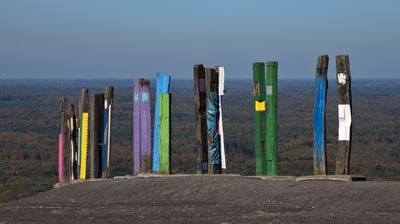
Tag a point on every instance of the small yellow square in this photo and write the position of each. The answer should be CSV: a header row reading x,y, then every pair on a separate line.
x,y
260,105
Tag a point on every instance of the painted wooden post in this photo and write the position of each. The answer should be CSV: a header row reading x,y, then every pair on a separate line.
x,y
142,126
214,151
84,132
136,127
162,86
62,172
164,132
271,90
260,118
73,166
344,111
96,134
201,122
321,83
221,91
109,100
105,156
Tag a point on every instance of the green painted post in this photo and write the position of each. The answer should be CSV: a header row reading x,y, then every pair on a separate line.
x,y
164,136
259,117
271,91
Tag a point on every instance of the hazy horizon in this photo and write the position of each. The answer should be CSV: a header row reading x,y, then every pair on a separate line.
x,y
131,39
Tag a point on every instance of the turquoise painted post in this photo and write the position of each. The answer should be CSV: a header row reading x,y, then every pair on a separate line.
x,y
162,86
321,83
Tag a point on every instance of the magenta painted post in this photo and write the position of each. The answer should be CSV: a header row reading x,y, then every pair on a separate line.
x,y
60,159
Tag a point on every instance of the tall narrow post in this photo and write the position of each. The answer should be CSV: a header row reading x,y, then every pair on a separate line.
x,y
214,151
142,126
62,172
105,151
73,165
109,95
259,118
162,86
271,89
344,111
221,91
321,83
84,132
96,134
164,138
136,126
201,122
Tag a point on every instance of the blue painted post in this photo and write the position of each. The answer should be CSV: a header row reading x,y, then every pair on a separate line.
x,y
321,83
162,86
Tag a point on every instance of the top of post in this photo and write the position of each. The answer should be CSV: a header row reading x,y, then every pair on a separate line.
x,y
322,64
272,64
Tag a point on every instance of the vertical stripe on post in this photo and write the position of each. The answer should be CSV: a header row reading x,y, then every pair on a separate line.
x,y
164,138
259,117
344,112
321,83
84,144
272,86
221,92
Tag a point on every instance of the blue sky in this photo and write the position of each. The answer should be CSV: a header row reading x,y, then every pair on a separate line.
x,y
127,38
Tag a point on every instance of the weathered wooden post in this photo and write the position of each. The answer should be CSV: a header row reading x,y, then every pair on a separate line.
x,y
96,134
321,83
272,86
73,166
344,111
200,99
142,126
162,87
83,132
214,151
260,117
221,91
106,147
164,132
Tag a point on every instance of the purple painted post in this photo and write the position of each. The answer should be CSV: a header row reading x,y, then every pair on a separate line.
x,y
136,126
141,126
145,127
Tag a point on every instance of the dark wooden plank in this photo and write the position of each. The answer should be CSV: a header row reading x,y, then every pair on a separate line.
x,y
73,152
108,98
65,143
201,122
344,111
96,134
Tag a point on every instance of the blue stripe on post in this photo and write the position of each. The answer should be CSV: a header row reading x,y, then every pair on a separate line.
x,y
104,146
319,125
162,86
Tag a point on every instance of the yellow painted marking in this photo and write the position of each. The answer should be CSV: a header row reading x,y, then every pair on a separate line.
x,y
260,105
84,144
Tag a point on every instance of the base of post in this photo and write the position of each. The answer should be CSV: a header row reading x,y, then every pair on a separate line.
x,y
345,178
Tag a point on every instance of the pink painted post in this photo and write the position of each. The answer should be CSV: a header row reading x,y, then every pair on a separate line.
x,y
60,158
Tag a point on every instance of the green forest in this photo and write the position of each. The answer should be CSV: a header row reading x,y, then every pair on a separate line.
x,y
30,124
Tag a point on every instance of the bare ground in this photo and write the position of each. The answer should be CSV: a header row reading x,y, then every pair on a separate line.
x,y
209,199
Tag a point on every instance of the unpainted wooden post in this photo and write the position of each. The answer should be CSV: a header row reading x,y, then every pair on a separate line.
x,y
200,99
214,153
83,132
344,111
321,83
62,146
96,134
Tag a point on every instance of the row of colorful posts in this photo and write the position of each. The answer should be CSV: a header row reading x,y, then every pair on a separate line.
x,y
73,150
265,119
208,91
